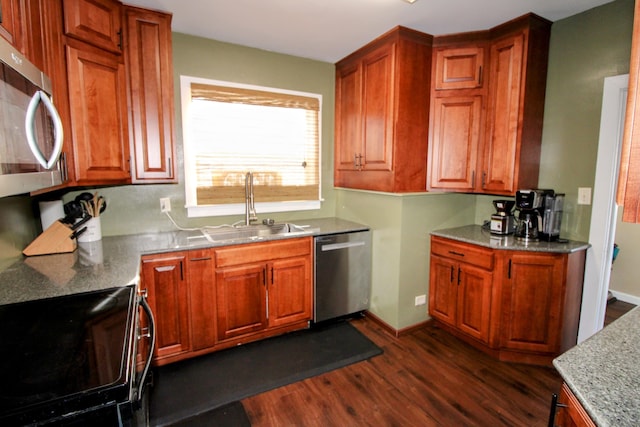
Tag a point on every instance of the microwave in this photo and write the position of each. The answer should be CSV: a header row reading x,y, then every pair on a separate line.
x,y
31,132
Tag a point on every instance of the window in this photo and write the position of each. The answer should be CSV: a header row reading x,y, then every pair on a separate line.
x,y
231,129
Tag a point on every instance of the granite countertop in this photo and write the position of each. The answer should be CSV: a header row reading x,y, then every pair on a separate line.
x,y
478,235
603,373
115,260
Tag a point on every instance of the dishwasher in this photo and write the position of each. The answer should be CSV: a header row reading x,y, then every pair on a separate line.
x,y
342,274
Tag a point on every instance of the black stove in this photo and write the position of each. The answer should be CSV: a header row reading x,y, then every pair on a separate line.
x,y
66,356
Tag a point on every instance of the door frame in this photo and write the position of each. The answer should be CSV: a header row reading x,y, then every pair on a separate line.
x,y
604,211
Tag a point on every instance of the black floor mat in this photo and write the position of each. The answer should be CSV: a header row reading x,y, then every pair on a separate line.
x,y
192,387
229,415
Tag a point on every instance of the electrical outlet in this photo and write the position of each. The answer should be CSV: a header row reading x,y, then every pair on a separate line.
x,y
584,195
421,300
165,204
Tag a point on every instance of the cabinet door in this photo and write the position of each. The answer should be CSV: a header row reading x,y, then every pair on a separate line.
x,y
202,298
377,109
443,289
572,413
289,298
455,140
532,302
150,73
98,22
241,300
502,140
348,119
474,301
10,27
459,68
98,105
165,281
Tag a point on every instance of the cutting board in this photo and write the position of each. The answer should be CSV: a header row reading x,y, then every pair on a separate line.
x,y
54,240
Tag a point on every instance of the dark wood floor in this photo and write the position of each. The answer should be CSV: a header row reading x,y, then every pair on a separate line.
x,y
427,378
615,309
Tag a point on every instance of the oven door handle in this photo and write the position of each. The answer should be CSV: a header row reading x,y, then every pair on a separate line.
x,y
29,122
152,344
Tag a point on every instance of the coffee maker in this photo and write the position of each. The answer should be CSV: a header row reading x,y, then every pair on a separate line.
x,y
529,204
503,222
539,215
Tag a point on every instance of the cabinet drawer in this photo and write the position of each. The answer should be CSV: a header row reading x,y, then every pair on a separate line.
x,y
471,254
259,252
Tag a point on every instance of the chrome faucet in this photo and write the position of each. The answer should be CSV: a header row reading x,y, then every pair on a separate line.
x,y
249,207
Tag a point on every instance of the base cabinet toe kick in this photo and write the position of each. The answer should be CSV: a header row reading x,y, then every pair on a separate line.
x,y
516,305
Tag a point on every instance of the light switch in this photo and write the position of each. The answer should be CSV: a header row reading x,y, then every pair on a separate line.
x,y
584,195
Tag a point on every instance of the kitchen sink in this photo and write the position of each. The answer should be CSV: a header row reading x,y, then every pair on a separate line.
x,y
253,232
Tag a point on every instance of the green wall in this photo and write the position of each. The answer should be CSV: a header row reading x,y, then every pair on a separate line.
x,y
585,48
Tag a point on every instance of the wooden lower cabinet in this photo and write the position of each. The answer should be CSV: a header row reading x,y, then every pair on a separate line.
x,y
519,306
208,299
569,412
460,296
263,287
163,278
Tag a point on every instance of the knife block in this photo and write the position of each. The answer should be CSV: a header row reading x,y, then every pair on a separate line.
x,y
54,240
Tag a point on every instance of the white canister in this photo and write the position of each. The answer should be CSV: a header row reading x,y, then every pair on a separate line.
x,y
93,232
50,212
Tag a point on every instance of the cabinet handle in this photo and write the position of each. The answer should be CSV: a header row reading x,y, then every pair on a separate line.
x,y
181,271
509,272
456,253
484,179
264,276
170,167
355,161
272,275
473,179
480,75
554,406
451,280
120,39
200,259
459,270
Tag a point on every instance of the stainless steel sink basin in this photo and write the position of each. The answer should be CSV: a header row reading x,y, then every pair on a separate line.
x,y
252,232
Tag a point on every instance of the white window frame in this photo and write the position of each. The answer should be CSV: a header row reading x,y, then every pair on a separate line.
x,y
195,210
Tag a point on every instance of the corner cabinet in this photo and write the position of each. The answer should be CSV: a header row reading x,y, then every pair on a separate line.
x,y
382,113
517,305
487,104
209,299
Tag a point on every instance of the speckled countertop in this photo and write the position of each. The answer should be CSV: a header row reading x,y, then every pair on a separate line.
x,y
476,234
603,372
115,261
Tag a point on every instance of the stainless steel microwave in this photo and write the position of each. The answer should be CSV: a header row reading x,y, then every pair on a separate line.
x,y
30,129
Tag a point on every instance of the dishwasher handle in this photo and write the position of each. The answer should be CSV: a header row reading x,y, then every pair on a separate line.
x,y
343,245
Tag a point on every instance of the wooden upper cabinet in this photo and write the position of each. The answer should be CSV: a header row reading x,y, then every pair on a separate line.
x,y
455,134
502,71
629,178
517,82
98,105
11,22
501,146
150,83
382,112
459,67
97,22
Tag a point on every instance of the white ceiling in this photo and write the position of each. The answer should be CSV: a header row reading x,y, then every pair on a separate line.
x,y
328,30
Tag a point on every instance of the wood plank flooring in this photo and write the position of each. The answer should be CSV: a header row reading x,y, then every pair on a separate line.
x,y
426,378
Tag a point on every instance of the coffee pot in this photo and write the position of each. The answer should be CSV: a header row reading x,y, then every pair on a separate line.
x,y
528,225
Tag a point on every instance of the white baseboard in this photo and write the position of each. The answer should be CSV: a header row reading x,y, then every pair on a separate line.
x,y
632,299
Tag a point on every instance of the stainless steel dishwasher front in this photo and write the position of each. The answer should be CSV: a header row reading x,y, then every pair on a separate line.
x,y
342,274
